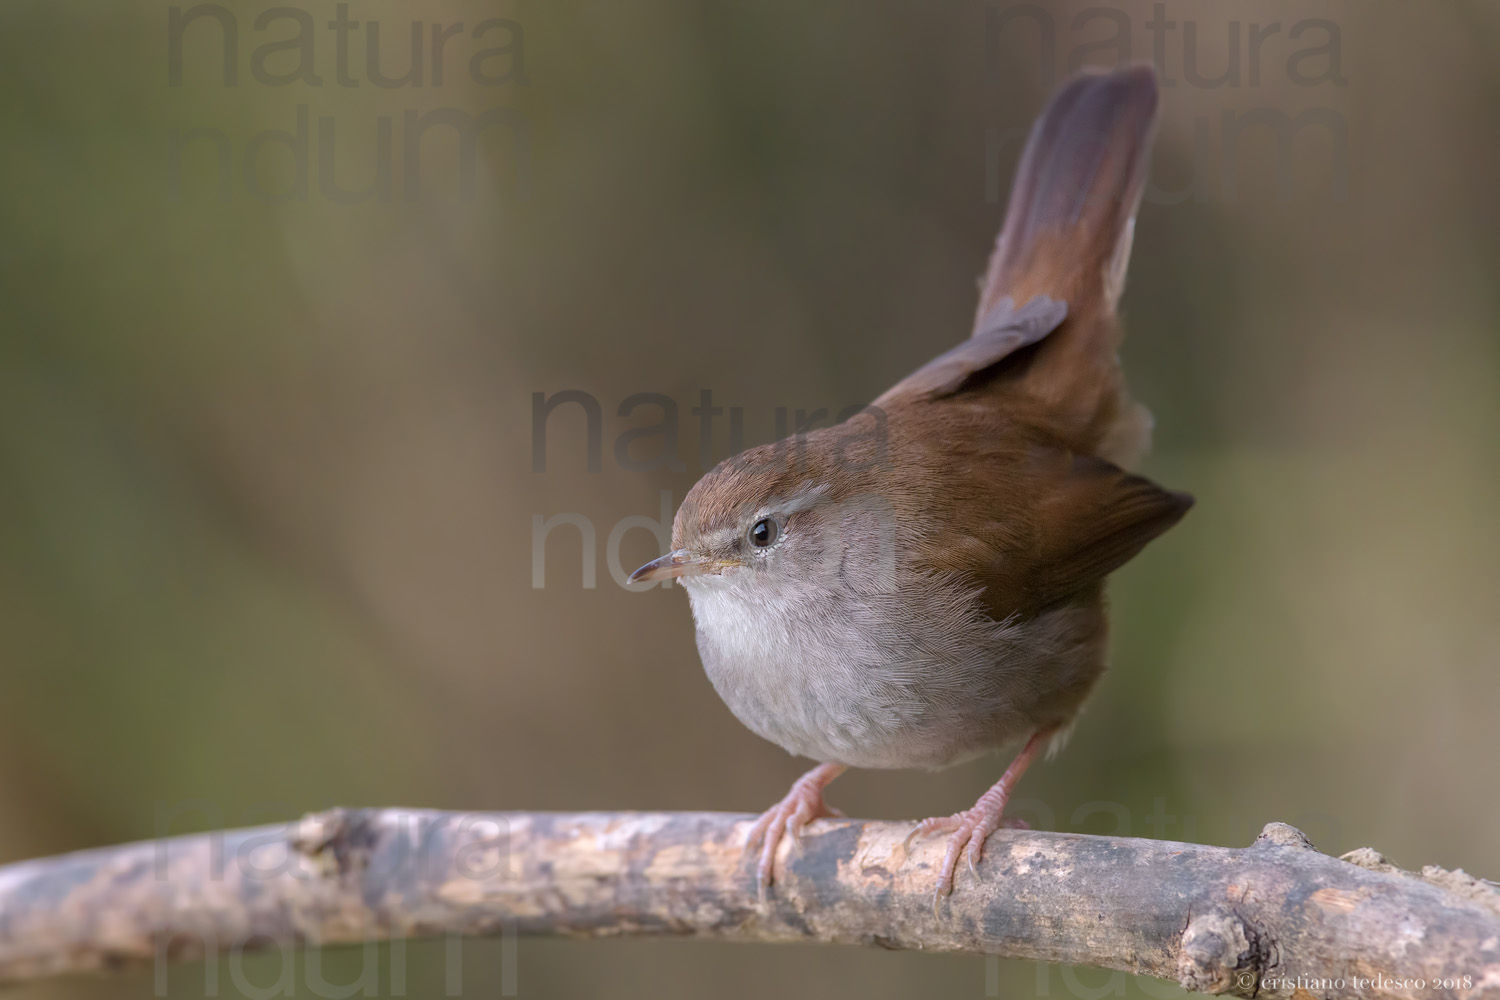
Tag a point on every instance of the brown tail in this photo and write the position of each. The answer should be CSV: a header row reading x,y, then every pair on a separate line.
x,y
1067,236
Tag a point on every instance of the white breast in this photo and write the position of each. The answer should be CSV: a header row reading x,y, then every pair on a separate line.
x,y
918,677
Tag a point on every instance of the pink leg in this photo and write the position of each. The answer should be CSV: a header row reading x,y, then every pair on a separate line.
x,y
803,804
970,827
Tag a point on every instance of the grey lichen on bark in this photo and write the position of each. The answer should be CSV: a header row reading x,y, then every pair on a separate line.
x,y
1276,918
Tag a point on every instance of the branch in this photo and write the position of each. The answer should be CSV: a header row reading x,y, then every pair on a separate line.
x,y
1214,919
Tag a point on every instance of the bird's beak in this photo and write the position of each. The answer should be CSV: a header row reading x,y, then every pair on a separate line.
x,y
683,562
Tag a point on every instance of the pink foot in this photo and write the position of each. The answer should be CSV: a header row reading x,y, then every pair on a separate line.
x,y
803,804
969,829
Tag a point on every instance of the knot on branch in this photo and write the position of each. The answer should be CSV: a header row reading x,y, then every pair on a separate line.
x,y
1372,860
1214,956
338,841
1283,835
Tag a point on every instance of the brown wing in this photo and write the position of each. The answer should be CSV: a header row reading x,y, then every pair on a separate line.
x,y
1059,524
1092,520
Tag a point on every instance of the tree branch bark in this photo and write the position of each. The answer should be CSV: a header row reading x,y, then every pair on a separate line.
x,y
1276,918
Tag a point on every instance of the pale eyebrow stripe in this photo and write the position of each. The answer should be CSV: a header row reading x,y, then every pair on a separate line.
x,y
805,497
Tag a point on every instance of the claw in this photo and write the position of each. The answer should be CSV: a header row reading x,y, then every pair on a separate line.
x,y
796,823
789,817
933,825
768,855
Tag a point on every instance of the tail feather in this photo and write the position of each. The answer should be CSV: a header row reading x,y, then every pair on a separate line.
x,y
1072,207
1067,236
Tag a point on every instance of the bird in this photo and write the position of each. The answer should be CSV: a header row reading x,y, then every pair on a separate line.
x,y
924,583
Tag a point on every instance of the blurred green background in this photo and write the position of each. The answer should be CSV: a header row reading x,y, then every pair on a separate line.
x,y
266,460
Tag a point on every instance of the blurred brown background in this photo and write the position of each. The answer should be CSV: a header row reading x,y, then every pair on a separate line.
x,y
266,469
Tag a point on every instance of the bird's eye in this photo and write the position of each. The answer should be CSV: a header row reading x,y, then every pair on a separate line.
x,y
763,532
